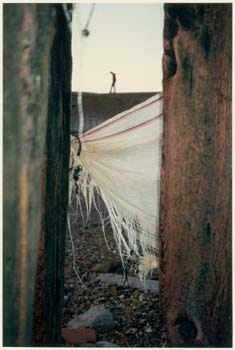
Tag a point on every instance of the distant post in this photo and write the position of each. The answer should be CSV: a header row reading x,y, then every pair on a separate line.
x,y
196,231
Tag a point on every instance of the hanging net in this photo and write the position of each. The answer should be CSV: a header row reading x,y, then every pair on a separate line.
x,y
119,161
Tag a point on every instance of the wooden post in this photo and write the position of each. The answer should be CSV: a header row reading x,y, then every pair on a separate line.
x,y
196,188
37,77
27,33
48,306
58,150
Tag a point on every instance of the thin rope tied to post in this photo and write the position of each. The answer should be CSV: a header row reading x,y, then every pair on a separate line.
x,y
75,168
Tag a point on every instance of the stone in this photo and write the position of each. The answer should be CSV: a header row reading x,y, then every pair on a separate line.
x,y
107,266
133,330
149,330
133,282
106,344
94,284
154,275
96,317
78,336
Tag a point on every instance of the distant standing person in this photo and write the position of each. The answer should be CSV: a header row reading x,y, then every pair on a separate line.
x,y
113,86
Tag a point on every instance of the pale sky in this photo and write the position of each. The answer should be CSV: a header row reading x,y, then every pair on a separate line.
x,y
125,39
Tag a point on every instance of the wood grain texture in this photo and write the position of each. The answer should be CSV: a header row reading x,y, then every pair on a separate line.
x,y
57,158
196,175
49,299
26,39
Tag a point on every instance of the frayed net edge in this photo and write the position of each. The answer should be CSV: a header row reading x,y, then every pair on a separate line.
x,y
130,236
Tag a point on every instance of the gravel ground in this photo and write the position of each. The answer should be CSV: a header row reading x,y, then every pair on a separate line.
x,y
136,313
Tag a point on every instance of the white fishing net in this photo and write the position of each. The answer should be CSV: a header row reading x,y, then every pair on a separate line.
x,y
121,162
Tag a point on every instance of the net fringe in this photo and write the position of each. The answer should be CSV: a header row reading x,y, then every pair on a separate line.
x,y
132,238
121,162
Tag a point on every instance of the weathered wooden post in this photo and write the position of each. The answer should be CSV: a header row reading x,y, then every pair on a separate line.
x,y
27,33
37,74
57,165
196,188
48,309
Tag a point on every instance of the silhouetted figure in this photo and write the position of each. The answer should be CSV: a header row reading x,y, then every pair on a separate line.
x,y
113,87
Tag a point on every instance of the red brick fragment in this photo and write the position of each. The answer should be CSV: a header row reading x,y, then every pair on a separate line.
x,y
79,336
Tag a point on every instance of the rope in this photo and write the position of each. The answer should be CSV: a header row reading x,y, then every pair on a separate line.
x,y
69,15
108,123
77,69
85,31
73,252
124,131
80,113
